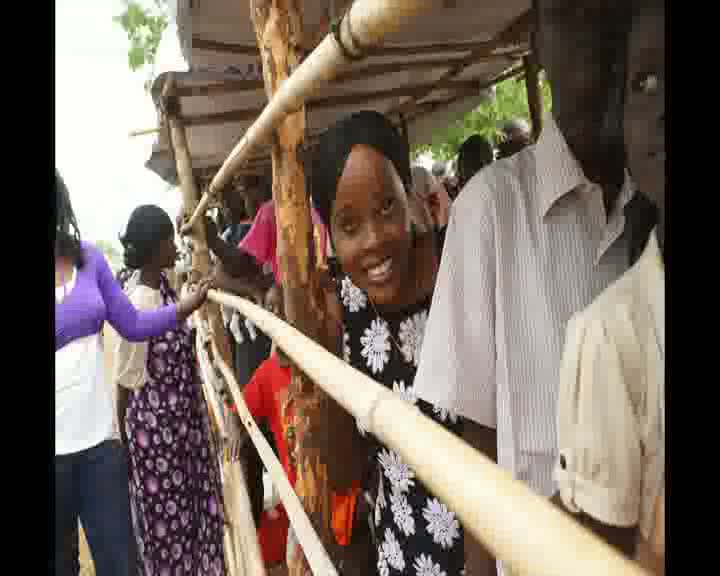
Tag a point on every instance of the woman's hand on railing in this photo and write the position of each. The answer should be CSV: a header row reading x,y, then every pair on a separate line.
x,y
194,299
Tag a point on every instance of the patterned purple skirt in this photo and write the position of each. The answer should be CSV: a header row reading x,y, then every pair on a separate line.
x,y
175,489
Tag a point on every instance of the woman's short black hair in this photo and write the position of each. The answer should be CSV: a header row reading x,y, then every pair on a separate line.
x,y
147,227
67,233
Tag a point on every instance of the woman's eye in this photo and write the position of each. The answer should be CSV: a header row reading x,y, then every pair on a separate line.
x,y
348,227
387,206
645,84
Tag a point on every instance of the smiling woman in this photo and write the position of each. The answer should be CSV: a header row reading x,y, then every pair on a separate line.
x,y
384,275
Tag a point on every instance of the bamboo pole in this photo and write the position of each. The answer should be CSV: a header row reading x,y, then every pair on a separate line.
x,y
318,558
279,32
144,132
244,537
534,94
206,372
235,491
351,75
439,48
429,107
514,523
517,32
370,21
412,90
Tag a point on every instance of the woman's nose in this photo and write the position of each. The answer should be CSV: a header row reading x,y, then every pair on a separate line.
x,y
373,234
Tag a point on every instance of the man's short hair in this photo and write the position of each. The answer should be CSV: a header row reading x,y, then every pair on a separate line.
x,y
474,154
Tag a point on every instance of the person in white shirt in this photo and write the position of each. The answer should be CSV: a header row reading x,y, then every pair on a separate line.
x,y
531,240
610,422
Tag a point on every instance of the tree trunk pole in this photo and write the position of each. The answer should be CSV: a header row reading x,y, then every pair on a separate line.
x,y
279,32
246,556
534,94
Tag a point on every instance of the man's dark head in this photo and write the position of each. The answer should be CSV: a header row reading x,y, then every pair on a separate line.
x,y
645,100
582,46
234,201
474,154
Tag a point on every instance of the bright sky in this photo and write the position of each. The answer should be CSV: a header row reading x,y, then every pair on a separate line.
x,y
98,101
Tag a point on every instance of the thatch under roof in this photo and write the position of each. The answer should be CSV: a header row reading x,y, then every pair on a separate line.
x,y
425,75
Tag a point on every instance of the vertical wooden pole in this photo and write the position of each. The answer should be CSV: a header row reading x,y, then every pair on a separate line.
x,y
279,30
534,94
247,551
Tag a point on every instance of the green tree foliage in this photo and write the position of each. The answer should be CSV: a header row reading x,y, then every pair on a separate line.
x,y
510,101
144,23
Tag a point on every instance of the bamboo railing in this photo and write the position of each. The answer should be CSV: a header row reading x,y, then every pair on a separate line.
x,y
540,540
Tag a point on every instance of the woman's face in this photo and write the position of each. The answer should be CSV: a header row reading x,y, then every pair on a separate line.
x,y
166,253
645,102
370,225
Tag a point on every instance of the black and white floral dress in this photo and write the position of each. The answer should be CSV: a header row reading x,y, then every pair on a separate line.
x,y
415,533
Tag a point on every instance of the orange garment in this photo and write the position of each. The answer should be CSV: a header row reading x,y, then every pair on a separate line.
x,y
343,514
264,396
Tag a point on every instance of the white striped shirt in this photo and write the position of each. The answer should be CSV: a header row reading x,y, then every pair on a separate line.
x,y
528,245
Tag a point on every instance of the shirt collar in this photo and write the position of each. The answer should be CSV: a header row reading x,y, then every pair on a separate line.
x,y
557,170
559,173
653,271
615,223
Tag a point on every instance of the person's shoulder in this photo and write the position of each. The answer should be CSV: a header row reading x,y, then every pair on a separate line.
x,y
485,189
89,248
613,318
618,298
92,255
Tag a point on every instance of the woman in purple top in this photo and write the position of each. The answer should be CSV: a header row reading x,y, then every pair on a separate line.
x,y
90,465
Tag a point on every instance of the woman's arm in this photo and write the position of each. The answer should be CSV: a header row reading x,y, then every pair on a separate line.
x,y
132,324
344,451
135,325
253,288
236,262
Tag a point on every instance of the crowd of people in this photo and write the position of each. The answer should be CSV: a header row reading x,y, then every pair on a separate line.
x,y
521,307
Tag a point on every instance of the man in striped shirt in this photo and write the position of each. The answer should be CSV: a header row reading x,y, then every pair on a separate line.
x,y
531,240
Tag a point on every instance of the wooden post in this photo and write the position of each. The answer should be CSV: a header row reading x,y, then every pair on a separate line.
x,y
247,551
534,93
279,32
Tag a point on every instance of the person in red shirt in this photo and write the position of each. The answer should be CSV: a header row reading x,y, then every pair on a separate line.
x,y
265,396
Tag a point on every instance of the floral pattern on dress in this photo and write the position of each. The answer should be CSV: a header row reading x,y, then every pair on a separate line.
x,y
376,345
174,476
407,393
424,566
415,534
411,337
445,413
352,297
441,523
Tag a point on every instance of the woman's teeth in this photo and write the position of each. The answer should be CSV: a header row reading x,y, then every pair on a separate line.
x,y
381,271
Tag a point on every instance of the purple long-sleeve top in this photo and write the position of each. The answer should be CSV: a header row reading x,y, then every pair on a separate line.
x,y
96,298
